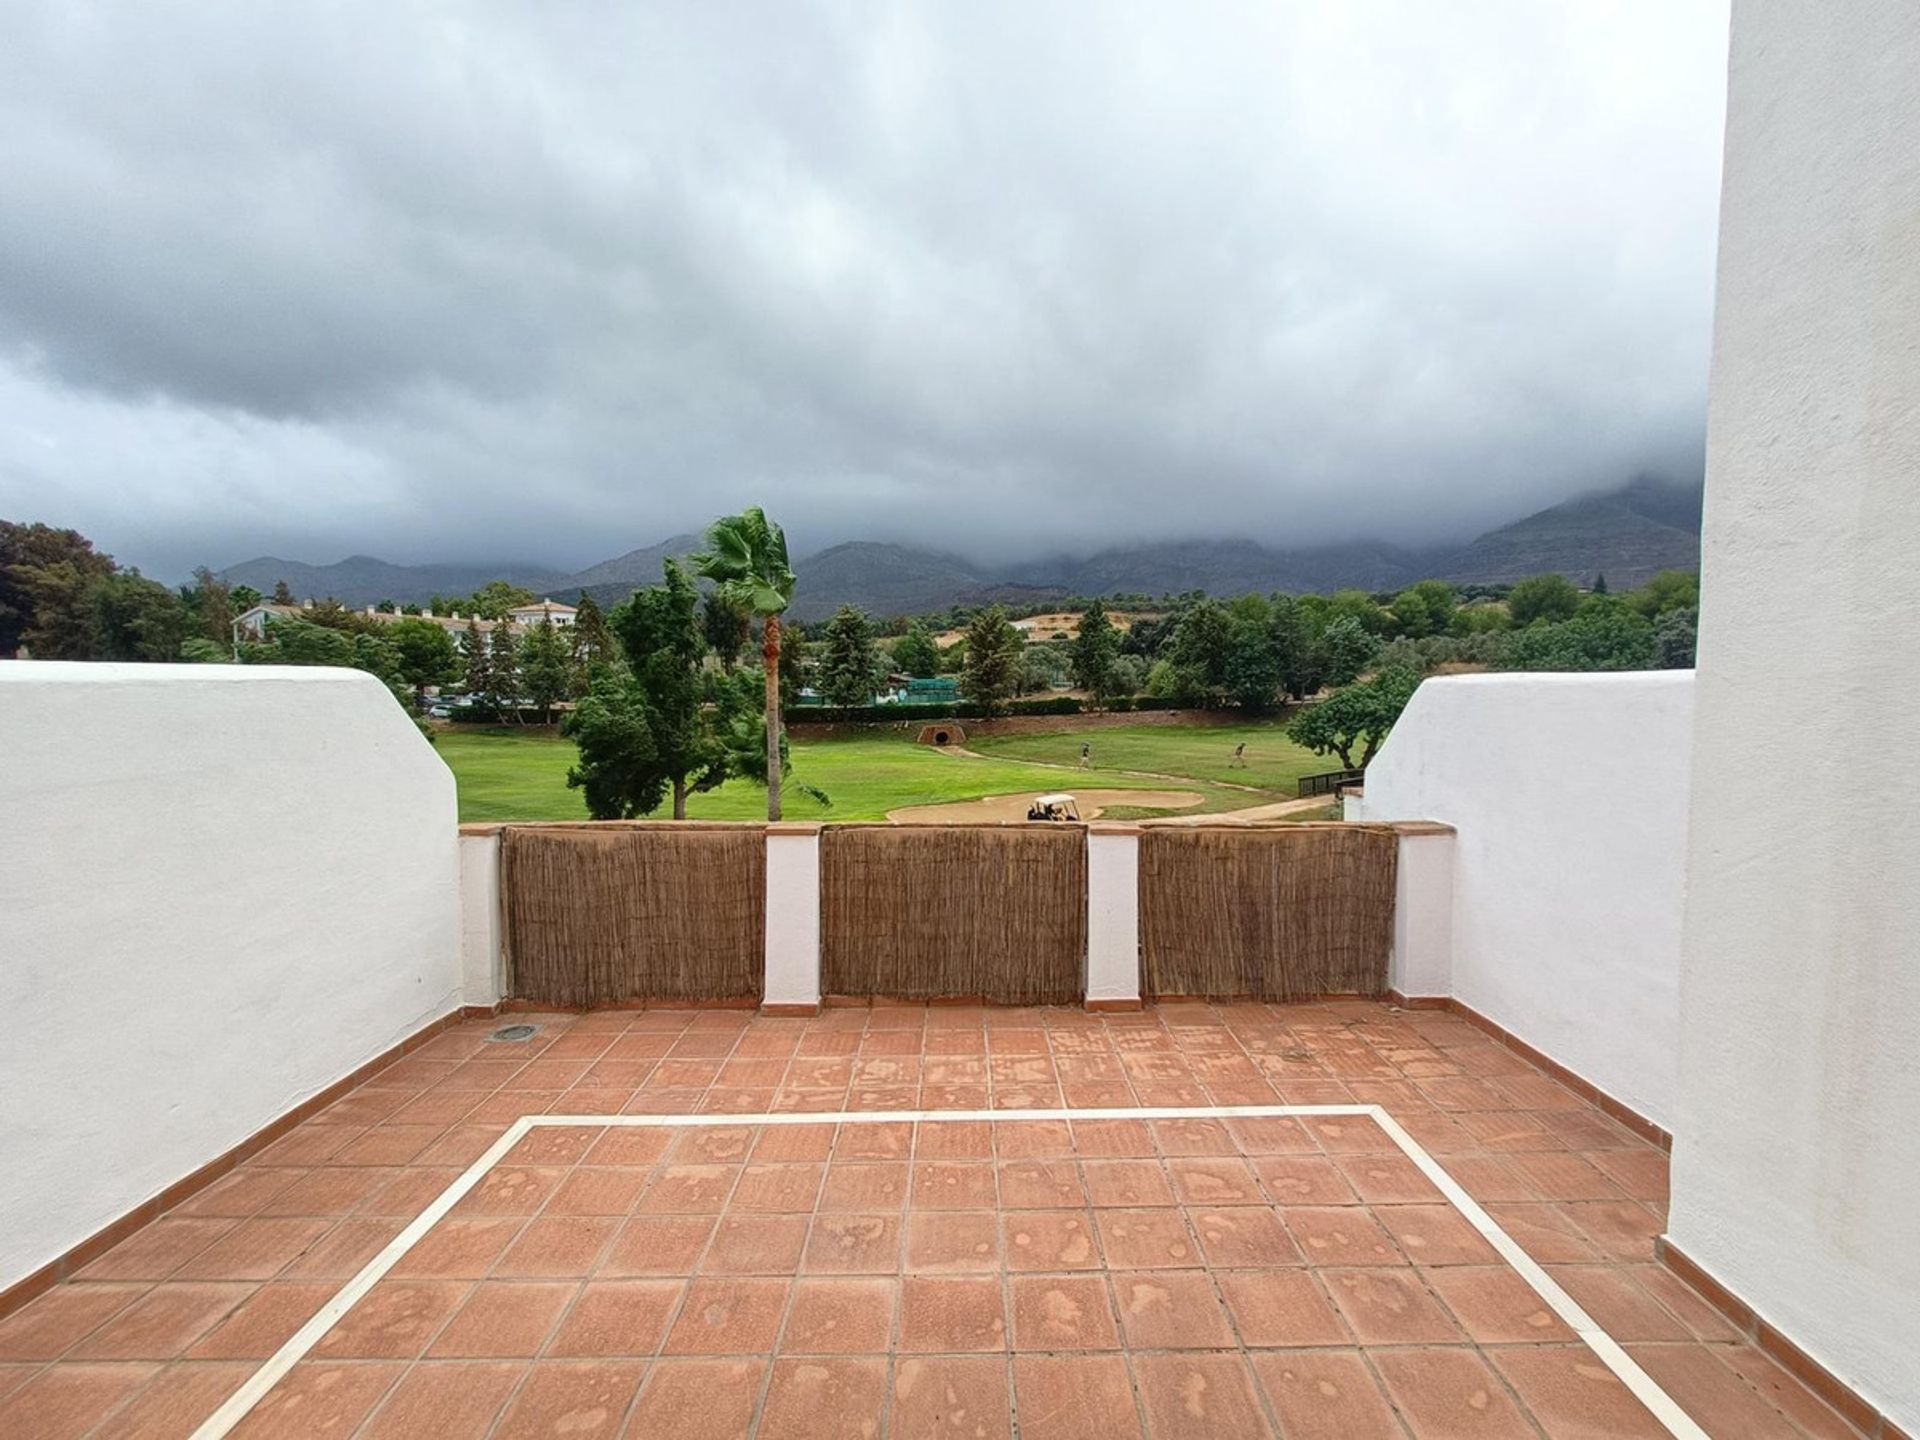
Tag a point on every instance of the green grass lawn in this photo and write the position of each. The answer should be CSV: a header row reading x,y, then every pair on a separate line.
x,y
1206,753
506,775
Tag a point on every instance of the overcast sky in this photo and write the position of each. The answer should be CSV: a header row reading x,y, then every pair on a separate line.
x,y
550,281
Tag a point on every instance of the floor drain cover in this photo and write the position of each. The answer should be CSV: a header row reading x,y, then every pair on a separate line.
x,y
514,1032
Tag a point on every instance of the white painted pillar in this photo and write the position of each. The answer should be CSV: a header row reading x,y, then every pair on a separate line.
x,y
482,971
1422,961
1113,917
793,920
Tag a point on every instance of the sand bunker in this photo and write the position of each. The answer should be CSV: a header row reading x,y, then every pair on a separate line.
x,y
1014,807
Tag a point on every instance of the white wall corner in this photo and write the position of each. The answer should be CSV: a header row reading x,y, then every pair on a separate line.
x,y
1422,959
1113,916
793,916
482,969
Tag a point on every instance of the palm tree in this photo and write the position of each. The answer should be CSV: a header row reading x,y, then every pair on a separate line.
x,y
746,556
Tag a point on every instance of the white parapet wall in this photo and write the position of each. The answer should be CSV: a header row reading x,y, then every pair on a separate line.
x,y
483,974
1796,1160
1568,798
222,889
1113,917
792,981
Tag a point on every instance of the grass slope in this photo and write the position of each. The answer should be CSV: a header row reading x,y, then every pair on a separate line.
x,y
509,775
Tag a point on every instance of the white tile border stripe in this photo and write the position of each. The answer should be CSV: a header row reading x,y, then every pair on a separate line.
x,y
1664,1409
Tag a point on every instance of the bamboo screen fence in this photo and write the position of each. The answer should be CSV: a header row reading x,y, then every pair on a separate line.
x,y
953,911
1280,914
609,914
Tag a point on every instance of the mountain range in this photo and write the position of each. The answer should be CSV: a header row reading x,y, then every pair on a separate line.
x,y
1628,534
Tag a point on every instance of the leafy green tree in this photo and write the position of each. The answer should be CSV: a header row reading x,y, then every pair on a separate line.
x,y
645,732
1606,636
134,618
495,598
1095,649
619,765
1042,668
1345,649
428,656
198,650
1129,675
283,593
1361,607
593,642
44,579
746,557
1481,618
546,667
209,605
1357,715
849,663
916,653
993,659
1674,638
1599,584
726,627
1148,635
244,598
1198,651
1552,598
1293,636
1424,609
1251,668
1669,590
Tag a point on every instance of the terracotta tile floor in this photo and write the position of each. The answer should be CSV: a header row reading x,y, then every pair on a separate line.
x,y
1100,1278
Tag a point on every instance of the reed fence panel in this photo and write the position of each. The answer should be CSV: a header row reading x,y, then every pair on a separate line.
x,y
954,911
613,914
1279,914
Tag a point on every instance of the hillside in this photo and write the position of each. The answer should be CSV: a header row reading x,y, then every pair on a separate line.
x,y
364,580
1626,534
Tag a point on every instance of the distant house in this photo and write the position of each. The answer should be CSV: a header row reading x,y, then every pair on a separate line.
x,y
542,610
252,624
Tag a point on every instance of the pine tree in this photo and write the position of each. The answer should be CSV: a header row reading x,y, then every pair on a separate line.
x,y
988,676
849,663
473,647
1093,652
725,626
593,643
546,667
503,670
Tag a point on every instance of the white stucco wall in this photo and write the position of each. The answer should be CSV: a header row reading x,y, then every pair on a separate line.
x,y
1113,914
793,916
482,973
1567,794
1422,958
1796,1167
221,889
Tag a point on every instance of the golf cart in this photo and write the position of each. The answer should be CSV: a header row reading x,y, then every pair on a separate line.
x,y
1054,808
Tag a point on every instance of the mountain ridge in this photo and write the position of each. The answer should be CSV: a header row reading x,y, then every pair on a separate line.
x,y
1628,534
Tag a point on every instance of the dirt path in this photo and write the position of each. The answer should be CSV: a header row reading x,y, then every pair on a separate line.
x,y
1014,807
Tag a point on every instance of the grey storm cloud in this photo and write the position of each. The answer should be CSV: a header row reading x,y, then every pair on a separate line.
x,y
546,282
